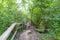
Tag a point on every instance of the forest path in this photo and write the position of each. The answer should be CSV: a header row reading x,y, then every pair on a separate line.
x,y
32,35
27,35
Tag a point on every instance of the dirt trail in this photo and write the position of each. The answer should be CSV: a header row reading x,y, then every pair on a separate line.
x,y
27,35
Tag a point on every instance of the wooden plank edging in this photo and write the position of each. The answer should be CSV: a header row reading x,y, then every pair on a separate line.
x,y
14,35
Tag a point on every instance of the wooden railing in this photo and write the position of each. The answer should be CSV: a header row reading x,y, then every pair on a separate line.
x,y
6,34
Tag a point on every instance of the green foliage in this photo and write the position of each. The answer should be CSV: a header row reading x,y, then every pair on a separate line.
x,y
8,14
46,13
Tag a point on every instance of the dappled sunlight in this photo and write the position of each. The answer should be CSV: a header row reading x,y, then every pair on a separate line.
x,y
24,8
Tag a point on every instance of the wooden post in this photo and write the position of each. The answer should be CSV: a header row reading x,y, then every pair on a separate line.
x,y
6,34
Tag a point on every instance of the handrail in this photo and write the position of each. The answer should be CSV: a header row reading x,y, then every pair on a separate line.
x,y
6,34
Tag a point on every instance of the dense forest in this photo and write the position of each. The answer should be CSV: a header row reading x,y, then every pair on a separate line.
x,y
44,14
